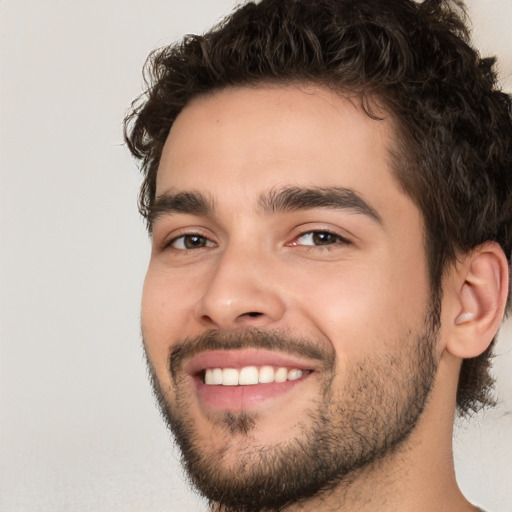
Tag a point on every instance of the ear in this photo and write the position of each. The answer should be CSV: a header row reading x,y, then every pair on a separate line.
x,y
480,294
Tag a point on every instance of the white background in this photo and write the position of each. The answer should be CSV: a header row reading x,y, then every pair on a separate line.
x,y
79,430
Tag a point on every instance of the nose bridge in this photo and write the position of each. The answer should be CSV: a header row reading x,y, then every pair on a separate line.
x,y
240,291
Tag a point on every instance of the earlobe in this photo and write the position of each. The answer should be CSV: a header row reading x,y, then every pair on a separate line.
x,y
483,289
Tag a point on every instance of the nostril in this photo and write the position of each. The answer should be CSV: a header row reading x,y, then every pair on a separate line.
x,y
253,314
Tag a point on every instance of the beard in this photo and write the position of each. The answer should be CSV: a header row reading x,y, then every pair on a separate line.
x,y
348,428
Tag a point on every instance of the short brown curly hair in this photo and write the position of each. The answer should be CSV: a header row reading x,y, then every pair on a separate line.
x,y
453,152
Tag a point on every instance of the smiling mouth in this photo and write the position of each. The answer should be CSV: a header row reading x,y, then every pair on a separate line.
x,y
239,380
250,375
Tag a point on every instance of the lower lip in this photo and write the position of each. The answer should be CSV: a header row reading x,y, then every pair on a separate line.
x,y
238,398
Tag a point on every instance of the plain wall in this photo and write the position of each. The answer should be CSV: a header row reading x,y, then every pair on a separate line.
x,y
79,430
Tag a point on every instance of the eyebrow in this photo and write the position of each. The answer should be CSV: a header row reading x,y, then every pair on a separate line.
x,y
303,198
281,200
193,203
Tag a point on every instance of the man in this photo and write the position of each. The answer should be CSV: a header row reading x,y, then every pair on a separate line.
x,y
328,188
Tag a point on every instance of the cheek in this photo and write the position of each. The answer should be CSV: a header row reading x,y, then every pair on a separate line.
x,y
165,311
365,308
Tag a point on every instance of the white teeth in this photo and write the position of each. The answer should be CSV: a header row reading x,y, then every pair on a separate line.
x,y
281,375
217,376
294,374
266,375
208,376
249,375
213,376
230,377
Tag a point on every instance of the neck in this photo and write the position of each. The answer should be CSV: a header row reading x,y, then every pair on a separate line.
x,y
417,475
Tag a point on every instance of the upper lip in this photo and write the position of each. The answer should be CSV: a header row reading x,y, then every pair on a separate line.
x,y
246,357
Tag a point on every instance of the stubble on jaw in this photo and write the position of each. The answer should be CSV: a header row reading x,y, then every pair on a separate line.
x,y
239,423
345,432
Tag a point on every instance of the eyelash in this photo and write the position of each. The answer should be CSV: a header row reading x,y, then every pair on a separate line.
x,y
316,232
184,237
311,233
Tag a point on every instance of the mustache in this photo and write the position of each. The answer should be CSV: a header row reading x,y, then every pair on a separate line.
x,y
250,338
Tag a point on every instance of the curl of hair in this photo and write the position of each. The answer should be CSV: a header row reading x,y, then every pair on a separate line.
x,y
453,147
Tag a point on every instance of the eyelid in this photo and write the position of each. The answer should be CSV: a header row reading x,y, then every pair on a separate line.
x,y
311,234
343,238
174,242
183,232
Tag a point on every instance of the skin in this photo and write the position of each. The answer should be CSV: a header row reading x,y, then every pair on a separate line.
x,y
358,296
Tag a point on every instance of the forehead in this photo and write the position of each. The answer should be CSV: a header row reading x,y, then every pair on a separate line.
x,y
245,141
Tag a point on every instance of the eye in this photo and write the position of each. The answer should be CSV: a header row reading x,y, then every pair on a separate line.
x,y
315,238
190,241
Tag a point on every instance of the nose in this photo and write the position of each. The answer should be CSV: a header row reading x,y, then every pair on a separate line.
x,y
242,291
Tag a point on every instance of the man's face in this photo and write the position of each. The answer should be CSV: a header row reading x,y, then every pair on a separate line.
x,y
285,253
